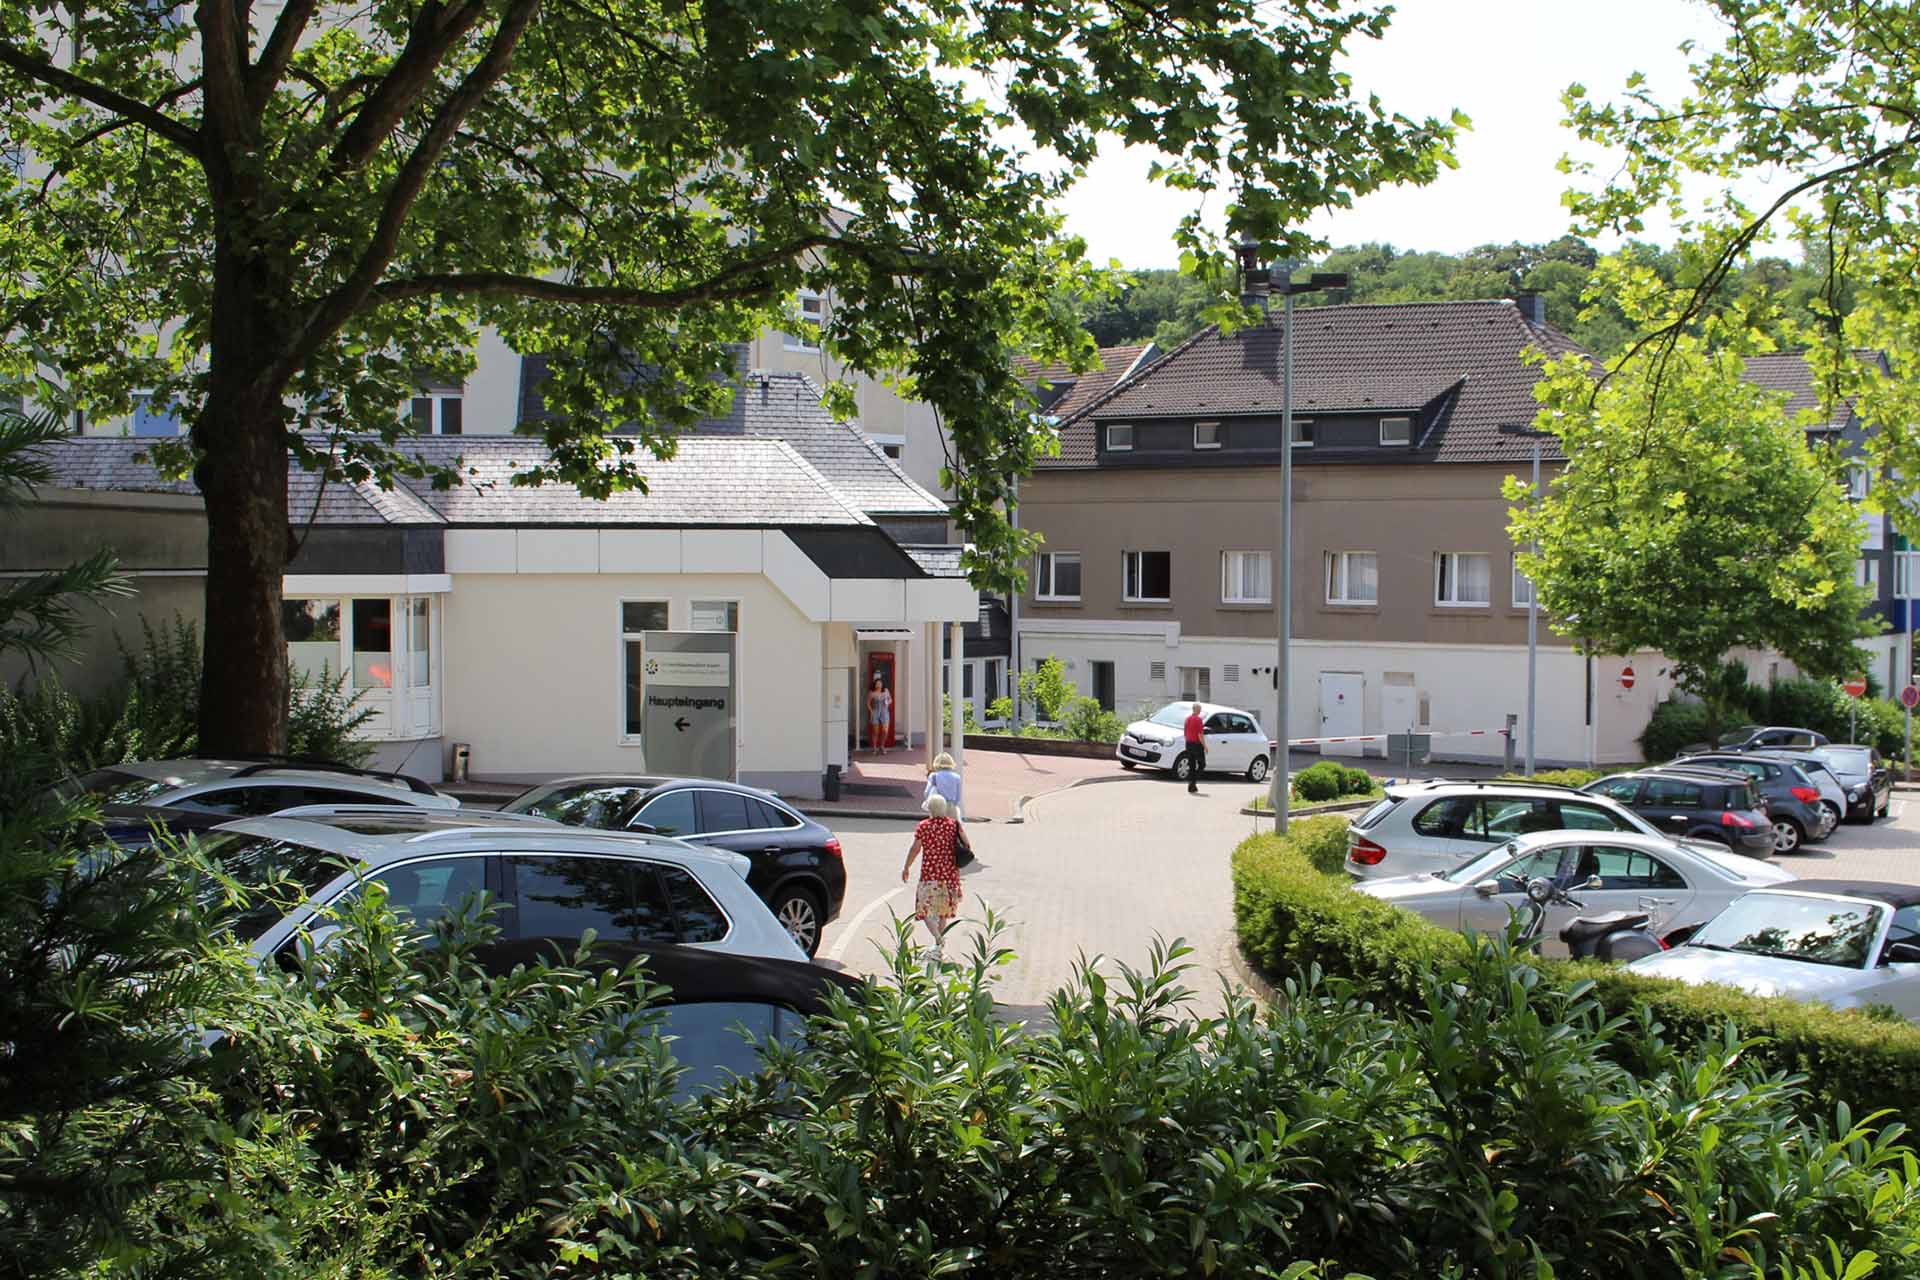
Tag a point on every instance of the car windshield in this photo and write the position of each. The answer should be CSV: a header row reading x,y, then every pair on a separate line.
x,y
1483,867
1739,735
593,805
273,876
1173,715
1791,926
113,786
1852,762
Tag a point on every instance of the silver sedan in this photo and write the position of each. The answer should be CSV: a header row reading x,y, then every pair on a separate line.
x,y
1674,884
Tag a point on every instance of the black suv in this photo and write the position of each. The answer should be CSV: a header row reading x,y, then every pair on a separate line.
x,y
1793,799
1696,804
798,869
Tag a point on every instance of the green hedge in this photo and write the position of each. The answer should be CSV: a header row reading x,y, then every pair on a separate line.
x,y
1294,909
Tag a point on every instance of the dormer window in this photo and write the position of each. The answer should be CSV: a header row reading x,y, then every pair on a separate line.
x,y
1396,431
1120,438
1206,435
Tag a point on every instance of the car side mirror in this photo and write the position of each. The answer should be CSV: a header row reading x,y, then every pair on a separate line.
x,y
644,828
1487,888
1901,953
1594,882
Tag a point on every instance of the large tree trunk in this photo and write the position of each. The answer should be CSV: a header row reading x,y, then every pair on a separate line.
x,y
242,475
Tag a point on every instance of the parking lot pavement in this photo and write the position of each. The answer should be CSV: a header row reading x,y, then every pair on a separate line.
x,y
1098,870
1102,868
1887,850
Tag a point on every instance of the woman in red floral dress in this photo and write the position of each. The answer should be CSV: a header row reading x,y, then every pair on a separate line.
x,y
938,896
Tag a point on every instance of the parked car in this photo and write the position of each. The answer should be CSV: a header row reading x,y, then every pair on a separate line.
x,y
1674,884
1759,737
1792,796
798,868
549,881
1844,943
1422,827
1715,805
719,1010
248,788
1865,775
1833,793
1235,741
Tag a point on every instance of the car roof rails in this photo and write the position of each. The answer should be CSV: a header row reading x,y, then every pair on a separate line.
x,y
412,784
1714,772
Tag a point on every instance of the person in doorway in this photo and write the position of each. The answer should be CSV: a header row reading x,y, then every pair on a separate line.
x,y
937,898
879,715
943,780
1196,749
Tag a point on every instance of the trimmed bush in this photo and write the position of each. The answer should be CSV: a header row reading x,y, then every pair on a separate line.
x,y
1673,727
1354,782
1087,721
1294,910
1318,781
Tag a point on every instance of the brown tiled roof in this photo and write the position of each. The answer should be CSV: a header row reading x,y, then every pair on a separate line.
x,y
1789,371
1351,359
1078,390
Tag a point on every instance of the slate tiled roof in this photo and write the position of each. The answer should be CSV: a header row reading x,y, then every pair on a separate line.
x,y
787,406
710,481
1361,358
939,562
1789,371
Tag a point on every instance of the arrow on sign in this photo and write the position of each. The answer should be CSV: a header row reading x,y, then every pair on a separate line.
x,y
681,724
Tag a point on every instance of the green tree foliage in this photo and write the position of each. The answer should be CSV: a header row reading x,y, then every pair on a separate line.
x,y
1824,94
1168,308
1047,688
1692,516
284,219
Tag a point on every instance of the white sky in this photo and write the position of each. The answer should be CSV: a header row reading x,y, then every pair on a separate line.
x,y
1503,62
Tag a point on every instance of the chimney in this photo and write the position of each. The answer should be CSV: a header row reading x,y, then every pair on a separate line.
x,y
1533,307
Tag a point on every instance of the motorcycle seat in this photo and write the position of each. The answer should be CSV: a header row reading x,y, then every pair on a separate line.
x,y
1587,928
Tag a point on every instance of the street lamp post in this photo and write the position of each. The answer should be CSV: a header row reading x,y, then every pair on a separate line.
x,y
1260,284
1533,593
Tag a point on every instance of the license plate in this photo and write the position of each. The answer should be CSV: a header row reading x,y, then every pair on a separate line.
x,y
1139,754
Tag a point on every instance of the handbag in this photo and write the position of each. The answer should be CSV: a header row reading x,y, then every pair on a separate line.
x,y
962,847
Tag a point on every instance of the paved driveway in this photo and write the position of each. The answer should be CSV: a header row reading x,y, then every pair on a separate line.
x,y
1102,868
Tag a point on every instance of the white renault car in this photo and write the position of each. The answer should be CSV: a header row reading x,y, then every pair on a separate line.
x,y
1844,943
1673,884
1234,740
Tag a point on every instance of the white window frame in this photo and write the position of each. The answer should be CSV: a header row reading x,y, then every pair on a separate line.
x,y
1406,431
1108,434
809,304
1521,598
1046,571
1339,575
891,445
1303,433
623,735
437,400
1866,573
1439,558
1230,580
1859,481
1906,574
1127,564
1213,427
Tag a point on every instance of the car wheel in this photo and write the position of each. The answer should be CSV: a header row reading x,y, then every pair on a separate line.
x,y
1786,835
1182,767
1887,808
1835,814
798,912
1257,771
1126,764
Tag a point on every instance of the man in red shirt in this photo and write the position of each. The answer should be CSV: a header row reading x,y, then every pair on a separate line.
x,y
1196,749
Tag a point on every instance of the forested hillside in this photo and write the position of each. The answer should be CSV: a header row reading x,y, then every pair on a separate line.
x,y
1165,306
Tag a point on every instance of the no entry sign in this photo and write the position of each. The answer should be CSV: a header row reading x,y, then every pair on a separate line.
x,y
1626,677
1855,686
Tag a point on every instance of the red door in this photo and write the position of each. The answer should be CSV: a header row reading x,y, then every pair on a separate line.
x,y
880,663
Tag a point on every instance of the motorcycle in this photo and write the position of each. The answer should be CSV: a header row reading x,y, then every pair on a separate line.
x,y
1615,937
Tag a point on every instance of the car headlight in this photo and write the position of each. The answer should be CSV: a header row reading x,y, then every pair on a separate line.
x,y
1855,793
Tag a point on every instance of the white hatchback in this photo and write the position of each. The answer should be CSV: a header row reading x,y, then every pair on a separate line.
x,y
1234,741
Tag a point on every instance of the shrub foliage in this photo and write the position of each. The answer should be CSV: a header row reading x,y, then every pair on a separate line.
x,y
1820,705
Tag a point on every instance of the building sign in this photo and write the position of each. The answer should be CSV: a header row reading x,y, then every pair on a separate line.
x,y
688,703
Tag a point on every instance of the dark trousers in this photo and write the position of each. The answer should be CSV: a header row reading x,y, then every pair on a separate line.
x,y
1197,756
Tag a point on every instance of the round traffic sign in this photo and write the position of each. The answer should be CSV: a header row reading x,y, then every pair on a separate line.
x,y
1855,686
1910,696
1626,677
